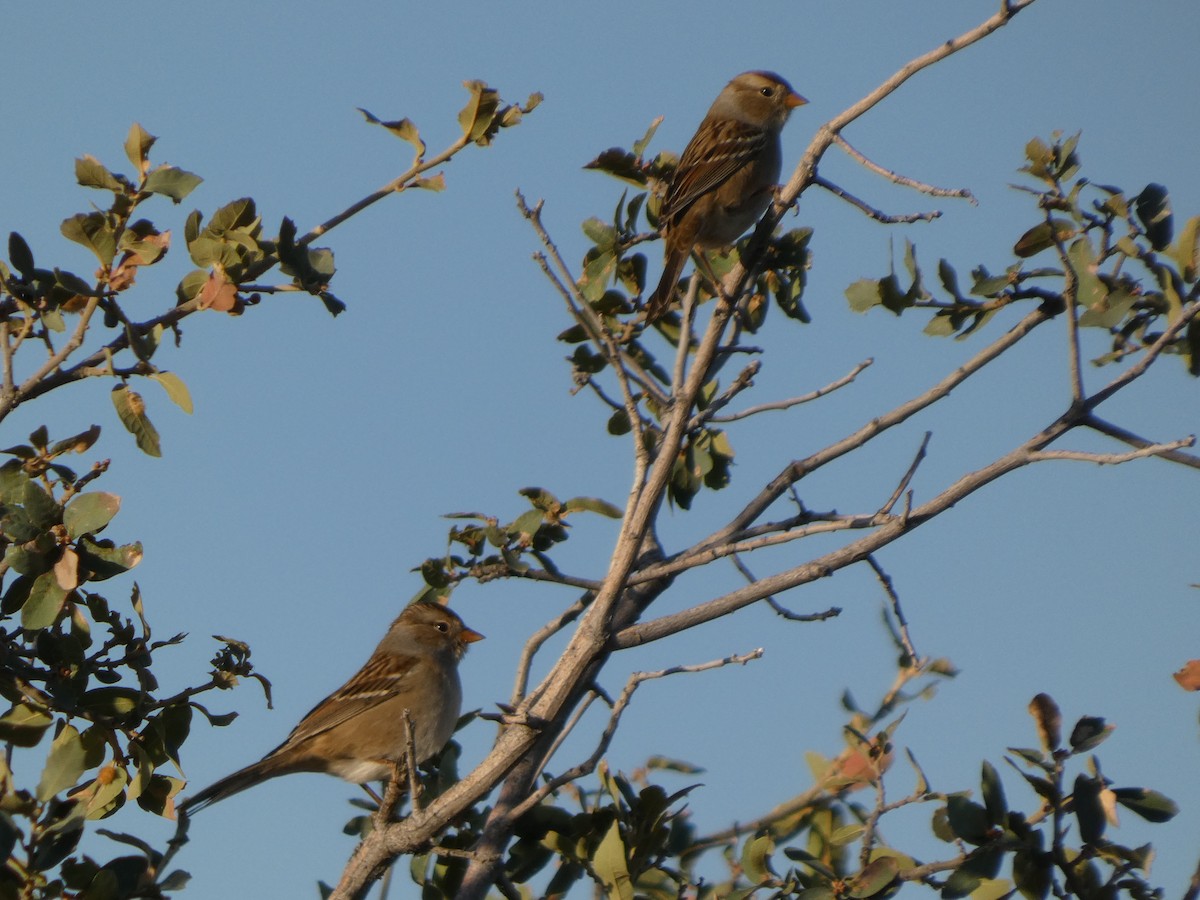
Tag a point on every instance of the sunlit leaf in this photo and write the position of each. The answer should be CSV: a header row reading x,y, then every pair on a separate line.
x,y
45,602
131,410
137,147
89,512
176,390
172,182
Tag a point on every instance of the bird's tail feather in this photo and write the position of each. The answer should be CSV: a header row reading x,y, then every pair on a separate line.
x,y
230,785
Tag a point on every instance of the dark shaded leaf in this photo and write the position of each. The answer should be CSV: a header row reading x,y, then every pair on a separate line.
x,y
24,726
1089,811
1150,805
1089,732
1153,208
967,819
1032,872
20,255
875,876
993,795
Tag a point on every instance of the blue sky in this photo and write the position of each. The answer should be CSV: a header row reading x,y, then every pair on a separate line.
x,y
290,508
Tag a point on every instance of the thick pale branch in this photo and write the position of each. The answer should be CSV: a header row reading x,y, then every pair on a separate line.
x,y
800,468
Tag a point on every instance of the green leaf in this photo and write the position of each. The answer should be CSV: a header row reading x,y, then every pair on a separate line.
x,y
1089,811
1153,208
1043,236
847,834
1032,871
24,726
619,423
42,509
401,128
476,118
756,858
89,172
611,867
111,702
89,512
1089,732
993,795
1091,291
20,255
131,410
137,146
93,231
71,754
103,559
1186,252
863,294
171,181
875,876
176,390
45,602
600,233
968,820
77,443
593,504
1150,805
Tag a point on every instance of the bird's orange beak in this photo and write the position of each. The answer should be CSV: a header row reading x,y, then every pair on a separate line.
x,y
470,636
793,100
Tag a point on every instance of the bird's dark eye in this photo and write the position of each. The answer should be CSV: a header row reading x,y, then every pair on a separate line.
x,y
767,92
443,627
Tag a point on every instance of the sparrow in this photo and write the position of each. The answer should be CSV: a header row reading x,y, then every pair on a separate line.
x,y
358,732
726,177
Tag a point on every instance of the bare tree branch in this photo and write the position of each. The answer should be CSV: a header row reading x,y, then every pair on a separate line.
x,y
902,180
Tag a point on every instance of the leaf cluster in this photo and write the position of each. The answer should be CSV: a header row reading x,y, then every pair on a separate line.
x,y
1116,264
491,549
78,669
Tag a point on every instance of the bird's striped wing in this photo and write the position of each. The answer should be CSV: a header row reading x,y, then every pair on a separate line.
x,y
709,160
383,677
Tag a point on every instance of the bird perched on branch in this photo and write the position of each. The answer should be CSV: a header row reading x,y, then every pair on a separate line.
x,y
726,177
358,732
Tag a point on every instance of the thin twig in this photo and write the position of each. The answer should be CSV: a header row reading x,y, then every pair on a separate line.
x,y
877,214
1109,459
1070,294
1128,437
535,642
889,588
635,680
781,610
908,475
795,401
410,759
744,380
903,180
